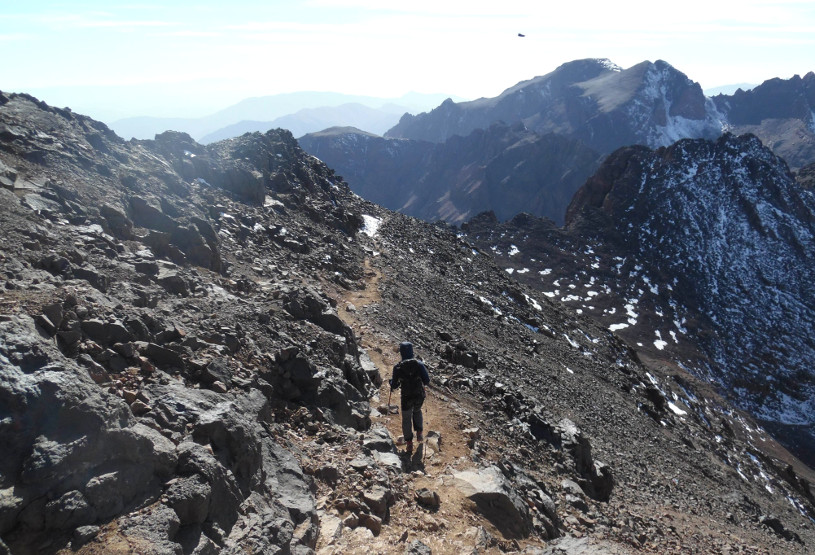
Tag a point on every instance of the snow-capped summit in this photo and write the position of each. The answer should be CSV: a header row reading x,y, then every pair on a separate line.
x,y
592,100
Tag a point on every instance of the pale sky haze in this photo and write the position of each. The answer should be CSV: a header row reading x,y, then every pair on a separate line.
x,y
181,58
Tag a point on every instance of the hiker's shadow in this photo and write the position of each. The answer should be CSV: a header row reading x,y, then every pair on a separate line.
x,y
413,460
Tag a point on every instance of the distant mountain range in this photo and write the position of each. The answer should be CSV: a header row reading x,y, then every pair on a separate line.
x,y
307,120
591,100
305,111
729,89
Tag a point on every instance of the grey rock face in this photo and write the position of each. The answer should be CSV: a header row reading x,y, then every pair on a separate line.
x,y
95,461
496,500
69,441
190,498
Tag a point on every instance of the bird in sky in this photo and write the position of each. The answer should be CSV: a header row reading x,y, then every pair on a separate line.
x,y
521,35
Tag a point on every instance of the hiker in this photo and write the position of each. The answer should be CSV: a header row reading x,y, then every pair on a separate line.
x,y
411,375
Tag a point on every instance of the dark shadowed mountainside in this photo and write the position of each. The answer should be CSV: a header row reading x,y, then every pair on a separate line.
x,y
508,169
780,112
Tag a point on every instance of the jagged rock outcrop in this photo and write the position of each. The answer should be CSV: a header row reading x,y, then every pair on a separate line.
x,y
75,453
488,489
730,224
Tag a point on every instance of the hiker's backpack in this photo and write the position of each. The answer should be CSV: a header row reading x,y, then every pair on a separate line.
x,y
410,378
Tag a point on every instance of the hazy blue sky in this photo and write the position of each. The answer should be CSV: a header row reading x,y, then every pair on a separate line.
x,y
191,58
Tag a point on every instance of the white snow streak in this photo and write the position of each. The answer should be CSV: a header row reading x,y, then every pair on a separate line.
x,y
371,225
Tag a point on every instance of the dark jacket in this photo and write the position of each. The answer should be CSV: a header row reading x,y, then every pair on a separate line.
x,y
410,373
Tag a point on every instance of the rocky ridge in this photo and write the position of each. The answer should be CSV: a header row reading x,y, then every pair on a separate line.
x,y
193,341
780,112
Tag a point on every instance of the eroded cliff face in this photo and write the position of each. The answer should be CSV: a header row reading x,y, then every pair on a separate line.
x,y
192,346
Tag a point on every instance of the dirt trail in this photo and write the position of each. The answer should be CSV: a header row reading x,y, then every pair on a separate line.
x,y
454,527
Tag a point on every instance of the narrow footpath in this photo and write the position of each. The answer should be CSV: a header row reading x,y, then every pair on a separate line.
x,y
454,527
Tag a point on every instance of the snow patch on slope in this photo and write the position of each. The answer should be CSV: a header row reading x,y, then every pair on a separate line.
x,y
370,226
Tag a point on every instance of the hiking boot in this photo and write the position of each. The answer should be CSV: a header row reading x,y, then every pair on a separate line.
x,y
409,446
419,437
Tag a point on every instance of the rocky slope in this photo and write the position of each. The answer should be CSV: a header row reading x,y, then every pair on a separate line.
x,y
700,252
508,169
192,344
806,177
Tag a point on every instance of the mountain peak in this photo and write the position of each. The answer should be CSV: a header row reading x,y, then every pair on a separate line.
x,y
719,215
339,130
588,63
592,100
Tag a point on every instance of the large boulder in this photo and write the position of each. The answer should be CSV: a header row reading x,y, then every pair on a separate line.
x,y
116,222
198,250
307,304
495,498
147,213
72,453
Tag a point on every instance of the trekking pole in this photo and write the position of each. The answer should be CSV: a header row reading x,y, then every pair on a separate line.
x,y
426,430
389,403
